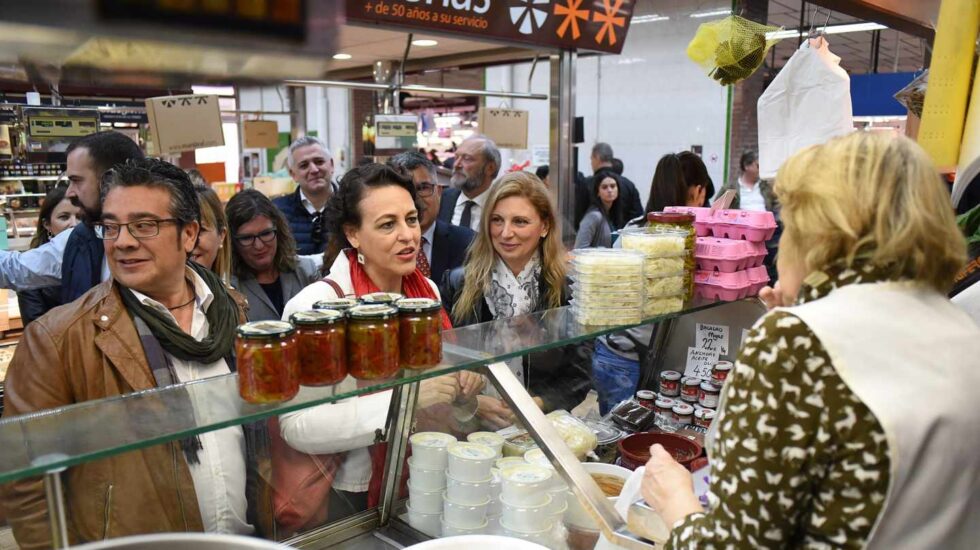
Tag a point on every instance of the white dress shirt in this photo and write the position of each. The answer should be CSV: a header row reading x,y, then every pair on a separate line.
x,y
38,267
475,212
219,477
427,241
750,198
308,204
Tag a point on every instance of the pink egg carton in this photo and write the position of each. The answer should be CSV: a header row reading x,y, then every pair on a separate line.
x,y
724,255
702,217
743,224
758,278
727,287
759,253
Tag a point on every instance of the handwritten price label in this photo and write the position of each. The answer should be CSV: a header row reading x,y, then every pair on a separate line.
x,y
712,337
699,362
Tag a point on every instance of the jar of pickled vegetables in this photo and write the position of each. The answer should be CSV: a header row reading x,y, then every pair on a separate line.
x,y
339,304
268,361
322,337
385,298
419,332
372,342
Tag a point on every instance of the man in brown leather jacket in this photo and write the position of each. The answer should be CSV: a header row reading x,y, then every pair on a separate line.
x,y
159,321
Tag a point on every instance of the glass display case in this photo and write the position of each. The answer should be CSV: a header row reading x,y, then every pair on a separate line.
x,y
49,442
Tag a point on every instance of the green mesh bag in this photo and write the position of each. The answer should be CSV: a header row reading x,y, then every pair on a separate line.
x,y
730,49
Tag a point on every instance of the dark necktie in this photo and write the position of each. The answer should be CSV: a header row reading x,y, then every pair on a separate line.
x,y
422,262
464,220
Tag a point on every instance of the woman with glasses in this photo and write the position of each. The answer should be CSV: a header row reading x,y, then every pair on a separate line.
x,y
57,214
265,266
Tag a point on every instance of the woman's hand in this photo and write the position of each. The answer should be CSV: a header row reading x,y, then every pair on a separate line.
x,y
774,297
470,384
494,412
668,487
441,390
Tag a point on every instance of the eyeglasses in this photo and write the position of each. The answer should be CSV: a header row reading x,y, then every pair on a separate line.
x,y
266,237
425,189
140,229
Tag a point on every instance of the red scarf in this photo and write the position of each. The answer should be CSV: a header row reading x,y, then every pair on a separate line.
x,y
414,285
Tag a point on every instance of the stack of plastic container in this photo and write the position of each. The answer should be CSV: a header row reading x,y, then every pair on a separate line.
x,y
607,286
665,270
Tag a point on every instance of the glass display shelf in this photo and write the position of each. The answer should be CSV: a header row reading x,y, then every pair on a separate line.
x,y
35,443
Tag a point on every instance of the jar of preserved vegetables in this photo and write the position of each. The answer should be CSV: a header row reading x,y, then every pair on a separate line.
x,y
372,342
339,304
419,332
385,298
322,337
268,361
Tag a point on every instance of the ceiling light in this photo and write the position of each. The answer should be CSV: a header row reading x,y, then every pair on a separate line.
x,y
712,13
342,56
649,18
832,29
424,43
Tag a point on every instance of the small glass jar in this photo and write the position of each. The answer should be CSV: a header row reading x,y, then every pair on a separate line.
x,y
382,298
670,383
322,336
690,387
703,417
268,361
664,417
646,398
372,342
683,414
708,395
338,304
719,372
419,332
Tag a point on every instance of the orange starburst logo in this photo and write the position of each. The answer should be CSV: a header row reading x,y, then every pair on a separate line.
x,y
609,20
572,14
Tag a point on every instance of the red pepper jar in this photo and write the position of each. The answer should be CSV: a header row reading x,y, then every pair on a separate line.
x,y
339,304
322,337
419,332
372,342
382,298
268,361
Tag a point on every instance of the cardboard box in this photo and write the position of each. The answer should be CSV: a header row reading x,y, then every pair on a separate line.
x,y
184,123
506,127
261,134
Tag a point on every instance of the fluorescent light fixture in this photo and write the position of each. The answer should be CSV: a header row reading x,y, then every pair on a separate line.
x,y
712,13
342,56
424,43
649,18
833,29
214,90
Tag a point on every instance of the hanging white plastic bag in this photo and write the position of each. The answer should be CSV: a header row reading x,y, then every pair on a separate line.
x,y
807,103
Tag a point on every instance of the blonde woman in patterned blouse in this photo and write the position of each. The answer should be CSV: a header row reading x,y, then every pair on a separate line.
x,y
850,419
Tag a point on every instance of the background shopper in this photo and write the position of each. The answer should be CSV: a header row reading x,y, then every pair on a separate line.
x,y
265,266
213,249
57,214
311,166
604,216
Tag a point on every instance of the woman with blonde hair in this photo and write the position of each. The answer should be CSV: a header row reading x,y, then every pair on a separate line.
x,y
850,417
213,249
516,266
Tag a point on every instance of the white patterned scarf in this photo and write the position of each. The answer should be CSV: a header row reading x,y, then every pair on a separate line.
x,y
510,296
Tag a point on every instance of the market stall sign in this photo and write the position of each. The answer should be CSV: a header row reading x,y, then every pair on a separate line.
x,y
184,123
276,18
599,25
396,129
395,133
506,127
61,126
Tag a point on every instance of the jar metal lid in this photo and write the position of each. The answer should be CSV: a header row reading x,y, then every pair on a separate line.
x,y
266,329
373,311
380,298
705,414
691,381
723,365
316,317
340,304
683,409
671,217
670,375
710,387
664,403
418,305
646,394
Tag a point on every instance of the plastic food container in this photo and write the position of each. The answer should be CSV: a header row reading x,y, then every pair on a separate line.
x,y
635,449
322,338
537,457
758,278
662,305
339,304
543,537
449,530
268,361
620,279
604,261
467,492
372,342
419,332
430,524
656,244
724,255
470,461
383,298
526,485
703,220
518,444
425,502
527,518
490,439
426,479
507,461
670,285
467,516
559,504
429,449
744,224
715,285
611,316
608,297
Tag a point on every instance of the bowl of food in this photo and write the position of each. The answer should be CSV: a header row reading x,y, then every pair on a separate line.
x,y
634,450
610,478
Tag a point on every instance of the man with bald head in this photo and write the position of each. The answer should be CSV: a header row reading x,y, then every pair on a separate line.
x,y
476,166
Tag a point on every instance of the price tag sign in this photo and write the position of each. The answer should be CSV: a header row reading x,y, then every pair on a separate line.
x,y
712,337
699,362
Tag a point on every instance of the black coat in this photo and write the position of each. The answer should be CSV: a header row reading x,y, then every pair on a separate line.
x,y
448,206
449,244
561,376
37,301
301,224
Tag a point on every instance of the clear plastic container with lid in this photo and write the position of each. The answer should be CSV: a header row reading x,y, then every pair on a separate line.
x,y
339,304
655,244
372,342
385,298
607,261
268,361
322,337
419,332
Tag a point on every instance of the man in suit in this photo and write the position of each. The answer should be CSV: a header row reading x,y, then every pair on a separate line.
x,y
603,161
443,244
477,164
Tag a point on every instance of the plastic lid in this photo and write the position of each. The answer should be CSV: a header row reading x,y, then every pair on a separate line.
x,y
670,375
683,409
340,304
526,473
472,451
610,257
373,311
418,305
605,433
381,298
316,317
654,233
670,217
266,329
710,387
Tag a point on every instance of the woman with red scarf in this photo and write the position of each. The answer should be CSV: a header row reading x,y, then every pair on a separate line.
x,y
375,238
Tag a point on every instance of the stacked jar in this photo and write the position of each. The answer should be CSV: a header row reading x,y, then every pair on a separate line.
x,y
607,286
